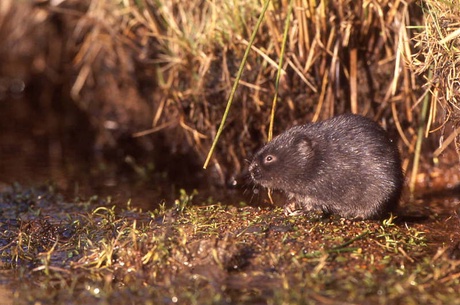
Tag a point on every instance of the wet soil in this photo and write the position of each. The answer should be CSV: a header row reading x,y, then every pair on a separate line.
x,y
95,250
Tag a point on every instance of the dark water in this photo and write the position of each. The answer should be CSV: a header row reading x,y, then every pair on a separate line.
x,y
32,160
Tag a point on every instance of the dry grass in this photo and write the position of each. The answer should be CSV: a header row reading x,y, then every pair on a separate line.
x,y
438,60
162,70
333,48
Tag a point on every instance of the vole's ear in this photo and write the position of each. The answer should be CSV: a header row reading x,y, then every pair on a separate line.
x,y
304,146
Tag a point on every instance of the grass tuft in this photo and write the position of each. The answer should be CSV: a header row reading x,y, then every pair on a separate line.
x,y
438,59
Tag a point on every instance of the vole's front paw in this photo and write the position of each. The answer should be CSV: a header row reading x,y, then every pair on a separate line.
x,y
291,209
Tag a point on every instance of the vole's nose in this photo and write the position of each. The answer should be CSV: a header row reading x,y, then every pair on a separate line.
x,y
254,169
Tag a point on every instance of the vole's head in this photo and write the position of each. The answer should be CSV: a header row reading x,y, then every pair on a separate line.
x,y
284,162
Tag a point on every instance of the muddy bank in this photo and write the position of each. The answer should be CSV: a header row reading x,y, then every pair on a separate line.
x,y
206,253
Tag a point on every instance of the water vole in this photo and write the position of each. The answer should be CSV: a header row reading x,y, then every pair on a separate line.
x,y
346,165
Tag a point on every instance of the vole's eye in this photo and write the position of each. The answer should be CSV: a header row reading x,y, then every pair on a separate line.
x,y
269,159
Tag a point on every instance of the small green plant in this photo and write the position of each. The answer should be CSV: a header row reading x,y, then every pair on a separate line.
x,y
184,201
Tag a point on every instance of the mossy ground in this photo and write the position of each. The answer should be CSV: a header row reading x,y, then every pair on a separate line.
x,y
88,252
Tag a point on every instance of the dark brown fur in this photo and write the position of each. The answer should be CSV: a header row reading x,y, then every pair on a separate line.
x,y
346,165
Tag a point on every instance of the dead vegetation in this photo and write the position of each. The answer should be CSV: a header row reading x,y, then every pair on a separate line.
x,y
161,71
438,60
331,49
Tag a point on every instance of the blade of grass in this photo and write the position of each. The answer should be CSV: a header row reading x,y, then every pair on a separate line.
x,y
280,67
235,84
420,136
